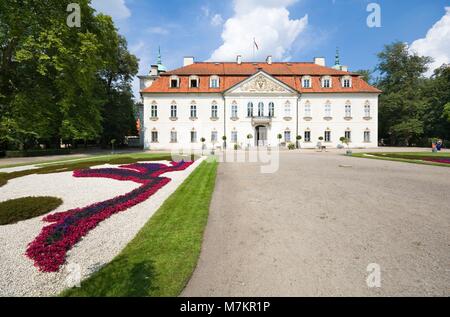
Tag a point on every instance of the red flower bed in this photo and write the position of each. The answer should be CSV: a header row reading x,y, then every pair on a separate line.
x,y
50,247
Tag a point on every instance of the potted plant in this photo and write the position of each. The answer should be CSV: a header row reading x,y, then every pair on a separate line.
x,y
291,146
236,147
203,144
298,139
224,138
346,141
279,137
319,144
249,136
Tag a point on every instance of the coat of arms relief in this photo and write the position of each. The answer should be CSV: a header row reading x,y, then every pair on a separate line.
x,y
261,84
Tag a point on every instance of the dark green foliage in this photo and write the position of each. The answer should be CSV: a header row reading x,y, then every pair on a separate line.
x,y
411,107
59,82
30,153
15,210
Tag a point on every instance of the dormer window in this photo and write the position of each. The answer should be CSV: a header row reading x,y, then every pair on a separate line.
x,y
174,82
306,82
214,82
326,82
346,82
193,82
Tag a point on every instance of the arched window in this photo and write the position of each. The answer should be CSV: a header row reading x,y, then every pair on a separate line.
x,y
194,81
271,109
346,82
250,109
174,81
287,109
234,110
328,109
306,82
261,109
214,82
307,109
326,82
193,109
348,109
367,109
173,110
154,110
214,110
367,136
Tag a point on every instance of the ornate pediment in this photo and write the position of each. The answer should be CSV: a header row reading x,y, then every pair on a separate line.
x,y
261,83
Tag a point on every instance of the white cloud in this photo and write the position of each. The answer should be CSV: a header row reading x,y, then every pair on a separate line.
x,y
216,20
265,20
117,9
157,30
436,42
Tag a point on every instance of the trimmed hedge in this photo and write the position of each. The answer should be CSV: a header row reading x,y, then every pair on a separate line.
x,y
15,210
31,153
3,179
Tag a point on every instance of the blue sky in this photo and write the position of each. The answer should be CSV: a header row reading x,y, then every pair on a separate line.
x,y
287,29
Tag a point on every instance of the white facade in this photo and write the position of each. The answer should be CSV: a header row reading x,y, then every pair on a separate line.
x,y
328,115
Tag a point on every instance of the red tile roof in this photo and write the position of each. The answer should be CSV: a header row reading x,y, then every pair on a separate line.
x,y
232,73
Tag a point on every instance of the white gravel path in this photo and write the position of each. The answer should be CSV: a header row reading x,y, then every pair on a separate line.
x,y
18,275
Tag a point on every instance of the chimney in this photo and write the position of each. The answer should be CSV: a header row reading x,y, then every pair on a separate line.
x,y
239,59
344,68
319,61
188,60
269,60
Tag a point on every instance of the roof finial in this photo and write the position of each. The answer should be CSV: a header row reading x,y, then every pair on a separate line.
x,y
336,60
159,61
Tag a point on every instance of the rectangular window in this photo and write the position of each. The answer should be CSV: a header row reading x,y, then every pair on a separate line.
x,y
348,135
154,111
367,111
327,136
193,136
234,111
287,110
367,136
173,136
214,136
327,110
348,111
154,136
307,110
287,136
194,83
174,83
306,83
214,83
346,83
193,111
173,111
307,136
233,136
214,111
326,83
271,109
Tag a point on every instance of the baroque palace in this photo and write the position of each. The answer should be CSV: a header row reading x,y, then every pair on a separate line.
x,y
257,104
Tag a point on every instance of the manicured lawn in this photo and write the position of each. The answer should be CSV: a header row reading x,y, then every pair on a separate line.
x,y
160,260
409,157
62,166
15,210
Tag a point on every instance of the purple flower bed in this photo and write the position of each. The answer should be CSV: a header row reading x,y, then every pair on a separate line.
x,y
50,247
439,160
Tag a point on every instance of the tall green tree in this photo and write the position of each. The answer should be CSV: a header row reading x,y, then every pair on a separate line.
x,y
402,105
60,82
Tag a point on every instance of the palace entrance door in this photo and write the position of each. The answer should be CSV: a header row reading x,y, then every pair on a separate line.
x,y
261,135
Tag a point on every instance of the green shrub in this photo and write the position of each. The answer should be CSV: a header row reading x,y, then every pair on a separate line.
x,y
30,153
15,210
3,179
291,146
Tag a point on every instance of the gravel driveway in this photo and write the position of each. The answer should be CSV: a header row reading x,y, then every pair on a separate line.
x,y
312,228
